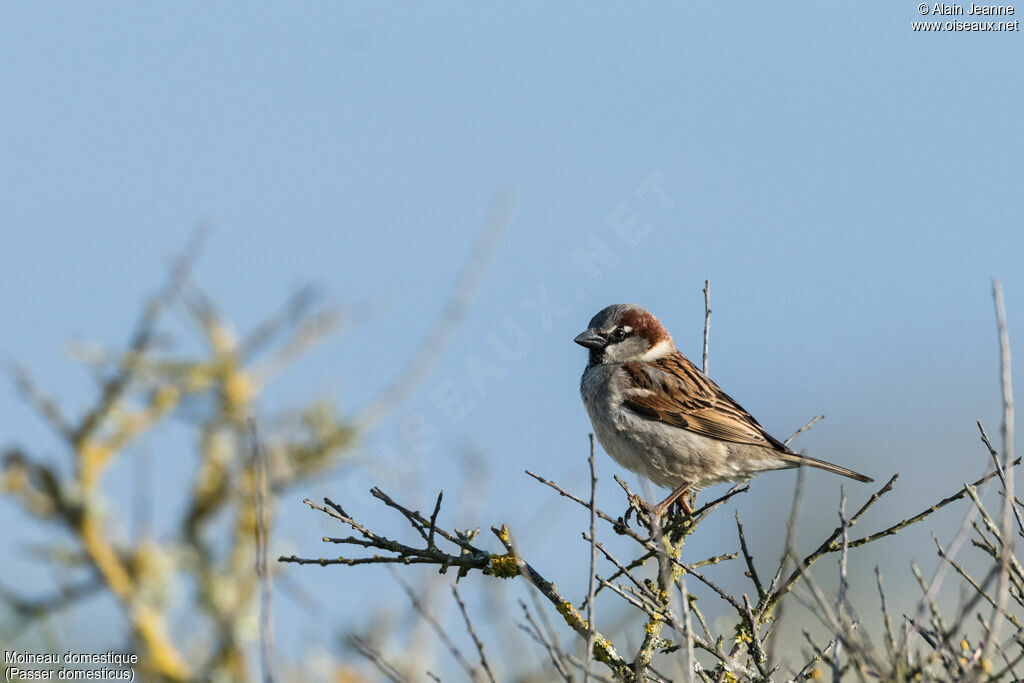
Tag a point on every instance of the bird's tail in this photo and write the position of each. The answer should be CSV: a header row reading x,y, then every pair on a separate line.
x,y
797,460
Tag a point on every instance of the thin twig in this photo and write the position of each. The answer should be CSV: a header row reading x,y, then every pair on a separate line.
x,y
790,541
549,627
808,671
751,571
940,572
376,658
935,617
841,597
861,653
422,610
600,513
706,509
43,404
810,423
707,325
66,596
1003,590
711,584
624,570
999,470
757,647
433,519
634,598
689,660
1009,669
652,630
890,642
828,546
472,634
609,656
591,629
972,582
899,526
553,650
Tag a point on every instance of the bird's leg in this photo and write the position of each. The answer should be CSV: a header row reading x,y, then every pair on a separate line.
x,y
678,496
686,503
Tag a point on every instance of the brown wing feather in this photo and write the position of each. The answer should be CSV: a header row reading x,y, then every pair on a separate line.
x,y
683,397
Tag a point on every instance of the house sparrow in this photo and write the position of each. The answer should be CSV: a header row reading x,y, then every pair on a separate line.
x,y
658,415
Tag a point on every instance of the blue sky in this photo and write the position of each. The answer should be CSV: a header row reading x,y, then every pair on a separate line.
x,y
849,186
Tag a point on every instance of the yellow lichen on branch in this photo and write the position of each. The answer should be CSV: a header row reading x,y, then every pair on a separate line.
x,y
138,388
504,566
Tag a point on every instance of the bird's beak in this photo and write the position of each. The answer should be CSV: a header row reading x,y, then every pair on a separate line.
x,y
591,339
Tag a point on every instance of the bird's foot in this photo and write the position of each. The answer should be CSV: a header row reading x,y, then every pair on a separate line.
x,y
676,504
679,508
649,513
637,505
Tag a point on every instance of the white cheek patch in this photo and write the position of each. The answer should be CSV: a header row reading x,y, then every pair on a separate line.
x,y
659,350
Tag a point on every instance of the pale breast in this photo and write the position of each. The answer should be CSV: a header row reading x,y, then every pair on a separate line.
x,y
666,455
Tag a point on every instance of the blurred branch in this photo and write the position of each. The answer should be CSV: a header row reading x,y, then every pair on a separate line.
x,y
43,404
139,387
38,607
1009,511
382,665
484,664
421,609
829,545
558,657
261,535
454,311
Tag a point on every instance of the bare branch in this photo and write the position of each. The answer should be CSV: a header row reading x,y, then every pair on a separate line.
x,y
43,404
841,598
756,646
790,540
890,642
999,470
751,571
375,658
422,610
259,488
810,423
1003,589
472,634
593,564
808,671
828,546
554,652
433,519
707,325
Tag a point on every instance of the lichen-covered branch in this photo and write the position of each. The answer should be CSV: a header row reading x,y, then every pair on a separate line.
x,y
139,387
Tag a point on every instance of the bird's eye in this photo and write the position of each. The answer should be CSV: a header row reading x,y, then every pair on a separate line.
x,y
618,334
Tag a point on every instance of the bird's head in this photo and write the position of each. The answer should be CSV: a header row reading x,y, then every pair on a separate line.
x,y
623,333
